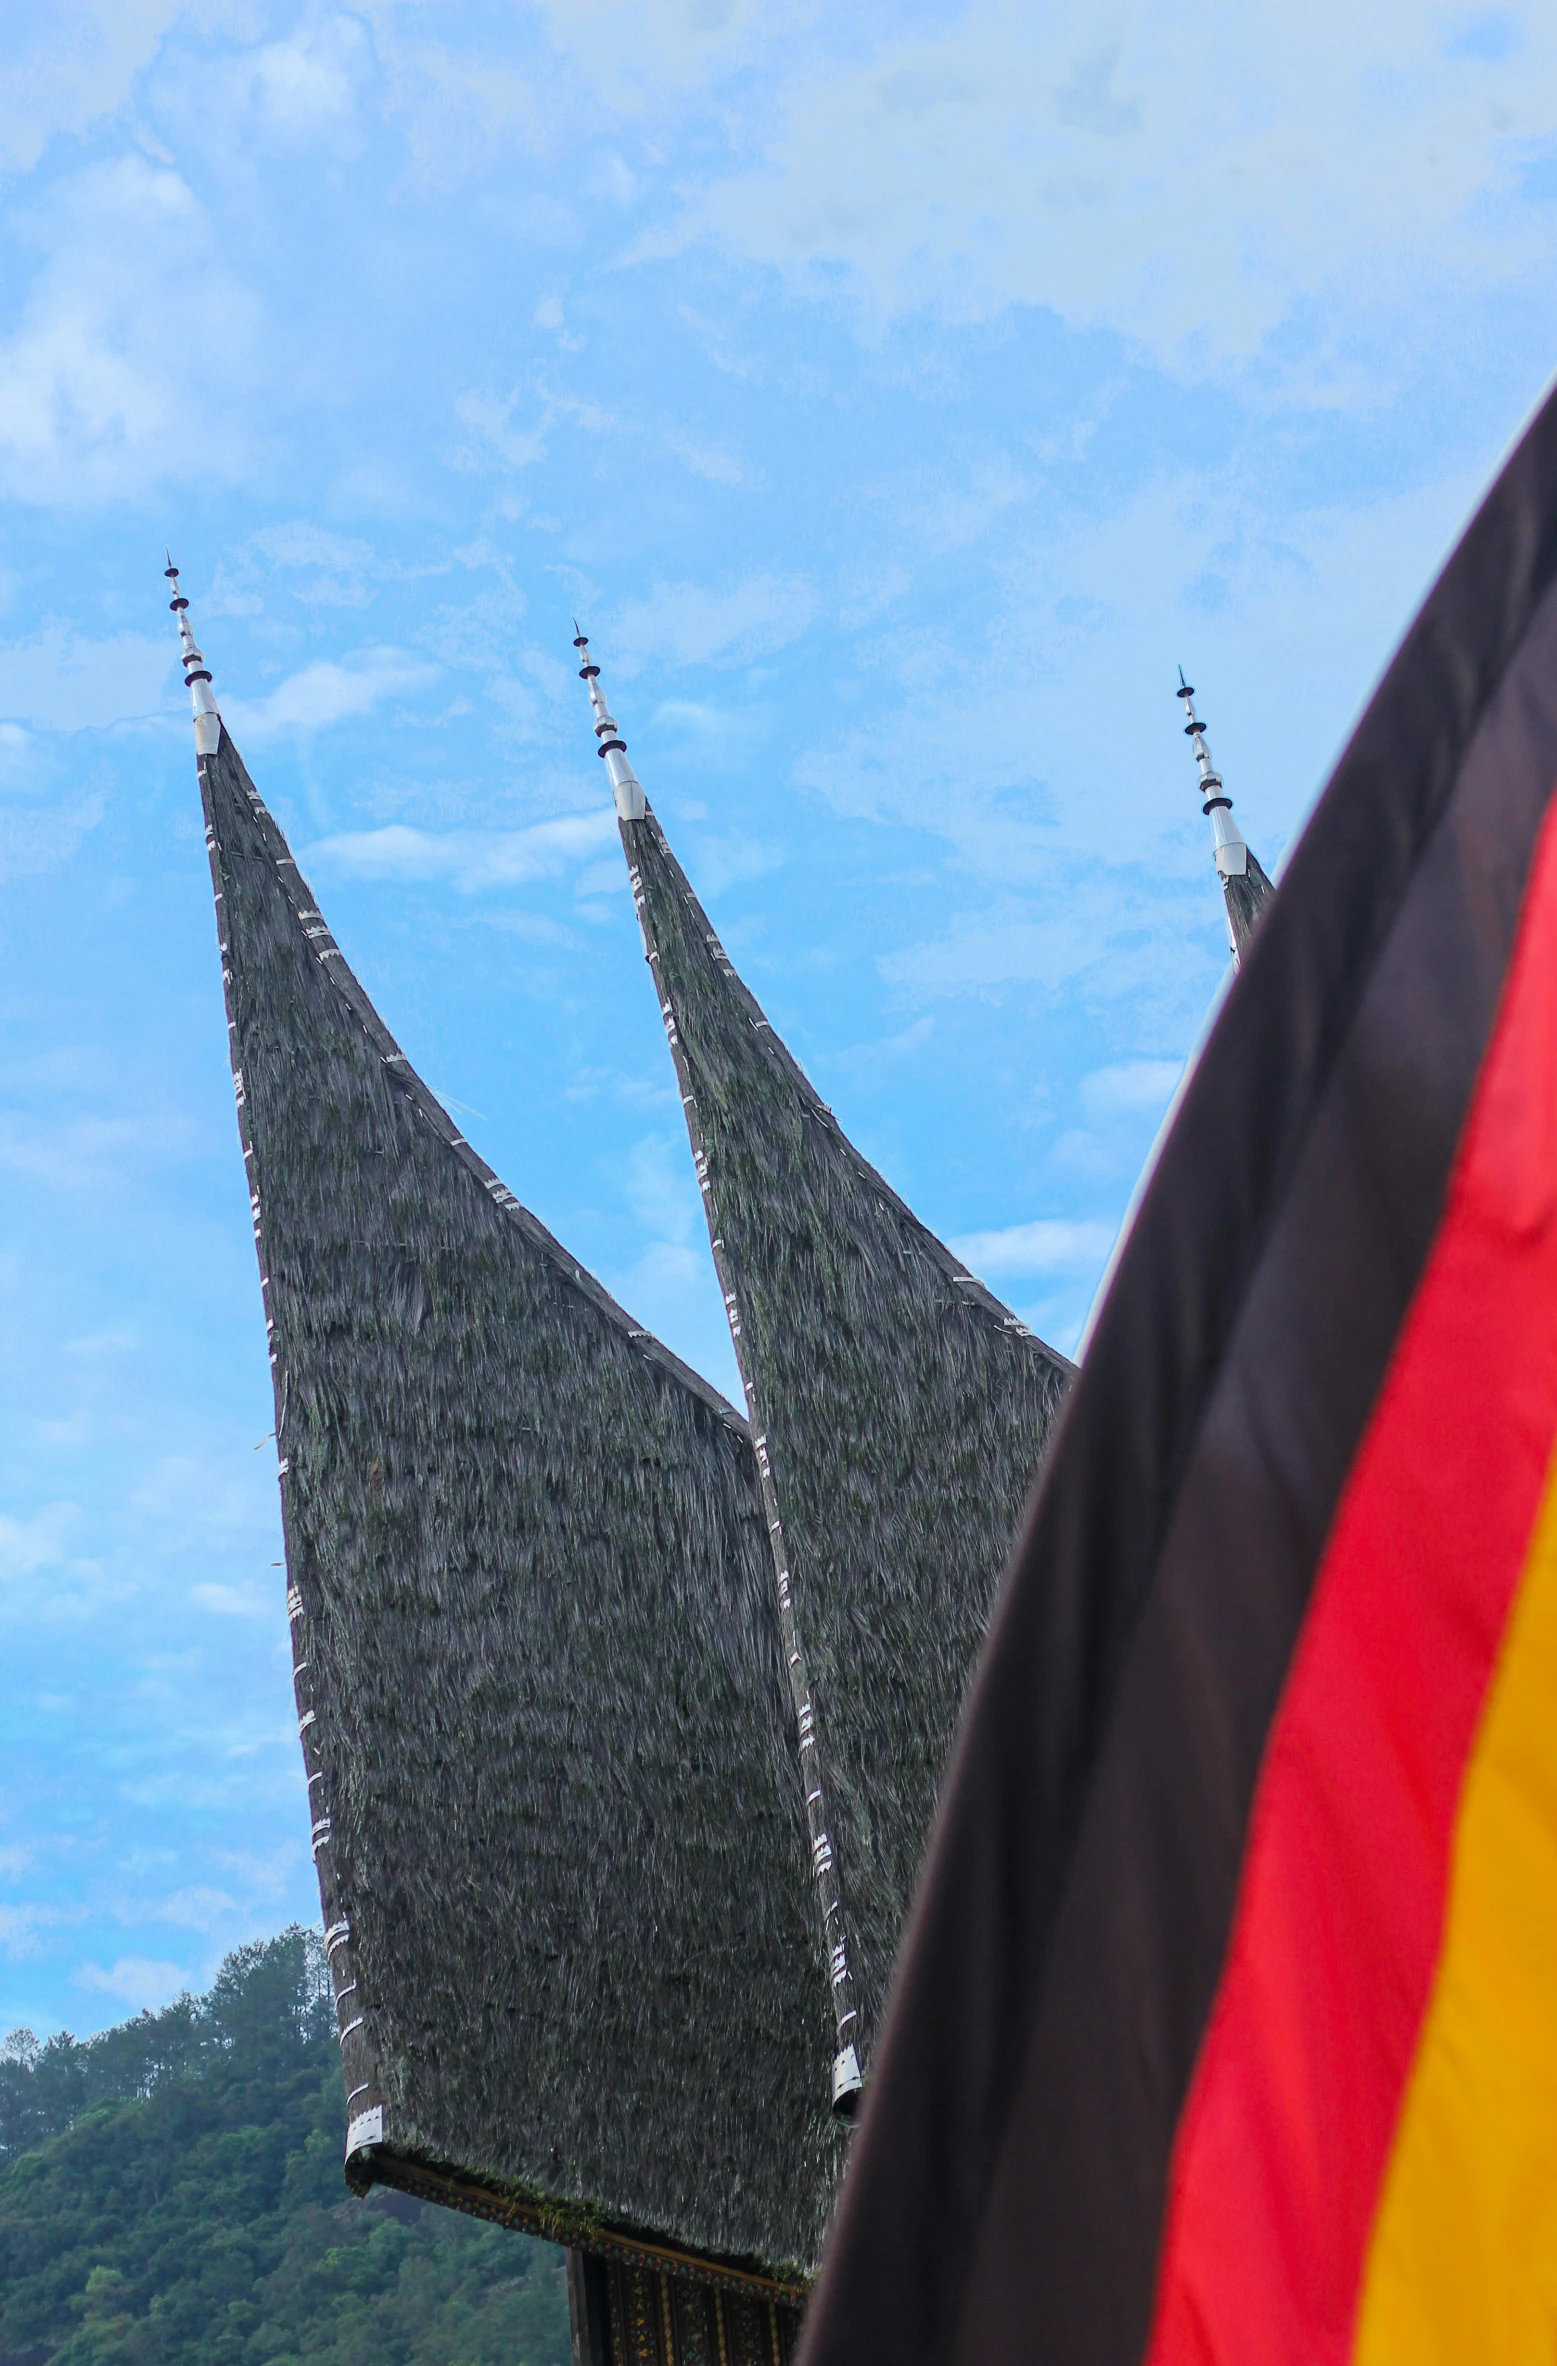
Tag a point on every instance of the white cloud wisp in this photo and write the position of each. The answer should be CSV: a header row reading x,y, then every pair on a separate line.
x,y
471,860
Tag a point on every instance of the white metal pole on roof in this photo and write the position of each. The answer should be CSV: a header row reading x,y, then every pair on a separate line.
x,y
625,786
1229,850
197,674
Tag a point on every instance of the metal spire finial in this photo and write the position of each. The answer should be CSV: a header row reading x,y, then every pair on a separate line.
x,y
625,785
1229,850
197,674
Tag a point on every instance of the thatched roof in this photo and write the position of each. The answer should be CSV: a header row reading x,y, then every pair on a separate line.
x,y
1246,892
565,1723
544,1712
901,1409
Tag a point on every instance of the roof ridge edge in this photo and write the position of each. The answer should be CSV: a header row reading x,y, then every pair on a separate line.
x,y
397,1063
979,1296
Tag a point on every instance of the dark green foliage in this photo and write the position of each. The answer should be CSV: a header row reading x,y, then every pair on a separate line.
x,y
185,2203
45,2089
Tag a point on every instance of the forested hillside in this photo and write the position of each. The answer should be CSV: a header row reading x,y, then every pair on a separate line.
x,y
170,2192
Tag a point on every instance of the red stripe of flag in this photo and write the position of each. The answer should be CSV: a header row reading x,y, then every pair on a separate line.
x,y
1287,2131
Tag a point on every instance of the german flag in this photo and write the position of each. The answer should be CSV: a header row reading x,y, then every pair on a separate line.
x,y
1226,2025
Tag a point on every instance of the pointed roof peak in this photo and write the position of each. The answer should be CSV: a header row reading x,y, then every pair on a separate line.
x,y
1243,882
625,785
197,674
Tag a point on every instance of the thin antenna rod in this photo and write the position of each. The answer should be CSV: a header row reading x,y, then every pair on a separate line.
x,y
1229,850
625,785
197,674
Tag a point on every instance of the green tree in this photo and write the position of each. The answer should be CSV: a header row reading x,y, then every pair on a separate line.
x,y
171,2192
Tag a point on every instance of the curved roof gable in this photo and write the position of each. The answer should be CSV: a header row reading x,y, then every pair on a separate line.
x,y
899,1410
540,1686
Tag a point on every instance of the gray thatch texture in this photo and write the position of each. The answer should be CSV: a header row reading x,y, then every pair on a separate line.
x,y
905,1412
545,1719
1246,894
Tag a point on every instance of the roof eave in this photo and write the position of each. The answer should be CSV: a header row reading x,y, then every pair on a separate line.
x,y
558,2220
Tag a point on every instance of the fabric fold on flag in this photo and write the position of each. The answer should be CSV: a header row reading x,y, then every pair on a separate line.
x,y
1223,2030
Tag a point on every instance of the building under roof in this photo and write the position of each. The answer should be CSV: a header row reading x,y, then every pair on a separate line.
x,y
622,1715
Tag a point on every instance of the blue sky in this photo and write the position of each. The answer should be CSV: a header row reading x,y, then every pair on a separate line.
x,y
899,396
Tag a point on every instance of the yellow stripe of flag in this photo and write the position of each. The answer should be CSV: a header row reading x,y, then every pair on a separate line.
x,y
1462,2266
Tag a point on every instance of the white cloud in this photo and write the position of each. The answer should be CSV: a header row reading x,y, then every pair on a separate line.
x,y
699,720
870,1059
189,1494
85,1153
249,112
1049,1244
1120,932
549,314
128,362
22,1928
603,878
499,435
635,48
1073,779
66,681
1185,175
491,421
709,461
730,858
95,1344
661,1191
617,1084
231,1601
531,928
666,1270
209,1911
461,111
141,1982
79,65
325,692
40,837
305,86
471,859
264,1873
38,1542
315,566
691,623
673,1292
955,504
1129,1086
